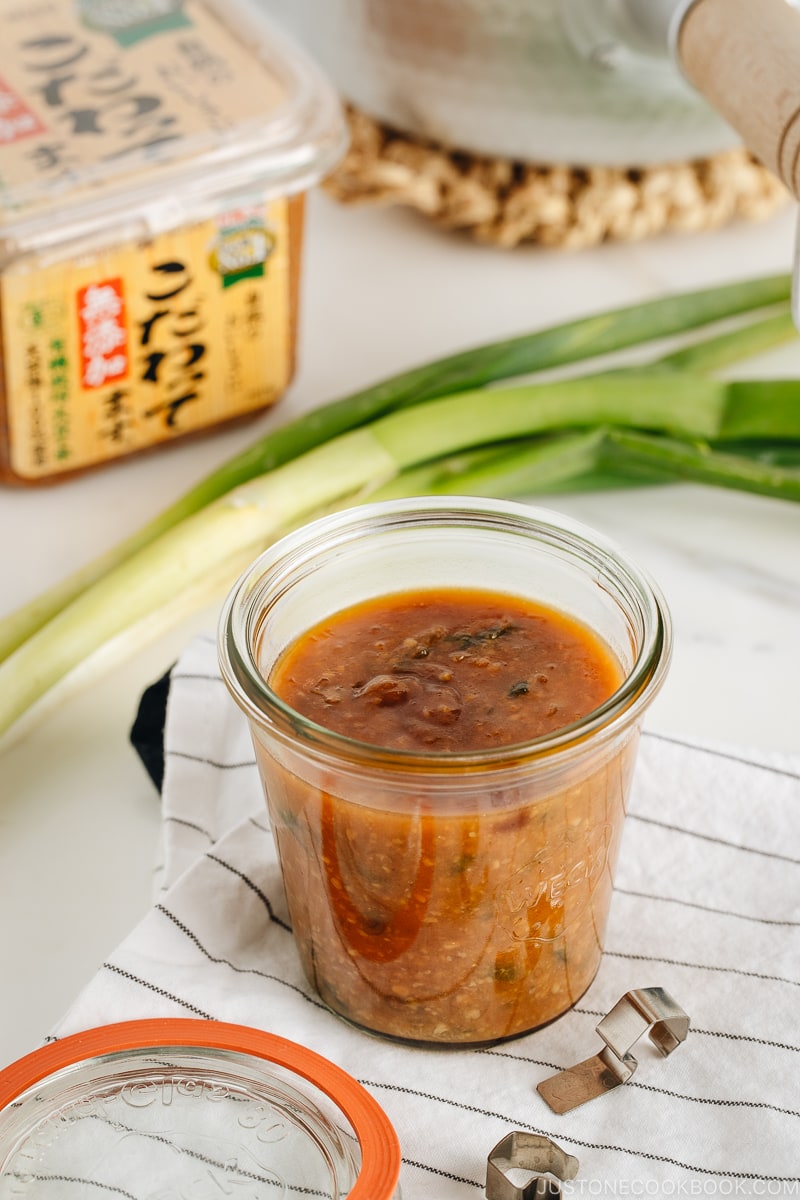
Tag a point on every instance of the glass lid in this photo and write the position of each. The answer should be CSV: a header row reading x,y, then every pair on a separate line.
x,y
171,1109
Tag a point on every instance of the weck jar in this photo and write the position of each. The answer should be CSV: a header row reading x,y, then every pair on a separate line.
x,y
446,897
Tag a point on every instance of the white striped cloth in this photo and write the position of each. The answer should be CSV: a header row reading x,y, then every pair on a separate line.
x,y
707,906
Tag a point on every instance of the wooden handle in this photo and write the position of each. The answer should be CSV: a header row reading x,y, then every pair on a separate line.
x,y
744,57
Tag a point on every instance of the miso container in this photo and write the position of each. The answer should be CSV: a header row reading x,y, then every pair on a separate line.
x,y
153,161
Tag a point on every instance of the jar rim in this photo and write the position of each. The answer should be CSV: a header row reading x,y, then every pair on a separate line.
x,y
250,689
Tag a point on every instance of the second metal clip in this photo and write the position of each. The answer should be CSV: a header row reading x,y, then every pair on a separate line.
x,y
533,1156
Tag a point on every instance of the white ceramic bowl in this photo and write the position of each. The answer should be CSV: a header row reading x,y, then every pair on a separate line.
x,y
538,80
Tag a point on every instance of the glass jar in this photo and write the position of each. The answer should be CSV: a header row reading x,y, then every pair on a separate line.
x,y
457,897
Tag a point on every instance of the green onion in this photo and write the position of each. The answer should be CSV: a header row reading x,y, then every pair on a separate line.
x,y
525,467
211,545
575,341
721,350
560,345
651,422
700,461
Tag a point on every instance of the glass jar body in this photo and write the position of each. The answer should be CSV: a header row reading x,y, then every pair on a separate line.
x,y
458,898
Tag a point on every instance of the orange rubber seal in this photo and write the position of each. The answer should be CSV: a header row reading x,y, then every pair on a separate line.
x,y
380,1149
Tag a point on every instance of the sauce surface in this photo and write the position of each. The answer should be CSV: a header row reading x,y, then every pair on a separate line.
x,y
446,670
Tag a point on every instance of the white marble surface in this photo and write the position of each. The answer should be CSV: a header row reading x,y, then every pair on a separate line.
x,y
382,290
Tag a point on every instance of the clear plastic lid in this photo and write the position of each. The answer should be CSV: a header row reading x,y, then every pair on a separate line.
x,y
168,1108
150,112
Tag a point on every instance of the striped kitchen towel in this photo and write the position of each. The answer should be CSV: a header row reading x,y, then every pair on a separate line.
x,y
707,906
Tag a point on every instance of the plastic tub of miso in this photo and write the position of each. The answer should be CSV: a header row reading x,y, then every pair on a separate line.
x,y
153,162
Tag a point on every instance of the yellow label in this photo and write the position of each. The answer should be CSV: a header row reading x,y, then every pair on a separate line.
x,y
146,342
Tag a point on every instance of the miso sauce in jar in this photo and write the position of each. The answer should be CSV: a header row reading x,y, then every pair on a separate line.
x,y
433,924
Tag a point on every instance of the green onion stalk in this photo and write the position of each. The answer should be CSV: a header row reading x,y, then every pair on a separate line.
x,y
578,341
436,428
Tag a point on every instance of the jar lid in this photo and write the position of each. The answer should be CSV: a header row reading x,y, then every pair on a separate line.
x,y
130,119
169,1108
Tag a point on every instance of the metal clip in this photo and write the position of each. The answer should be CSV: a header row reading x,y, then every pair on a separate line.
x,y
646,1010
518,1152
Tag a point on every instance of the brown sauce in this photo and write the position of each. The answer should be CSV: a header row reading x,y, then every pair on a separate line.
x,y
446,670
463,914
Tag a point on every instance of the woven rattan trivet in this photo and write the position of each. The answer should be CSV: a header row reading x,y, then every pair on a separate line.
x,y
505,202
